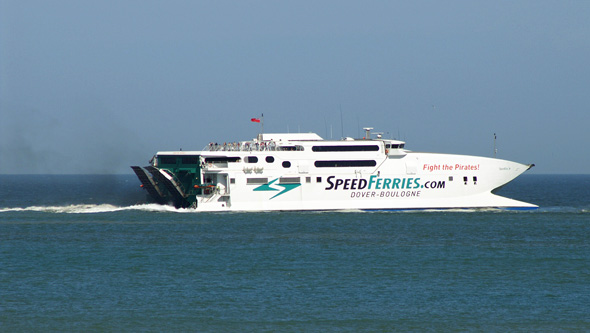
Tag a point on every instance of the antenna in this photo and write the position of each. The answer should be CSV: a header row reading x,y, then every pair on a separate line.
x,y
341,123
495,149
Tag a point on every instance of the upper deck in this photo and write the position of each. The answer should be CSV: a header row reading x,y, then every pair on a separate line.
x,y
303,142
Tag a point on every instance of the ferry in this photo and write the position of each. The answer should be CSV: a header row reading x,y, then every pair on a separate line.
x,y
302,171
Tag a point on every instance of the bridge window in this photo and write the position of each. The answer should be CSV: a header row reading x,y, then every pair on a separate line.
x,y
190,160
167,159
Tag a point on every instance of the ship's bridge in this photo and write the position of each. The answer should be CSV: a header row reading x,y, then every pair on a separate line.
x,y
394,148
394,144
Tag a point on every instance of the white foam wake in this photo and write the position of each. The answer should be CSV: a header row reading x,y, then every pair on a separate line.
x,y
93,209
108,208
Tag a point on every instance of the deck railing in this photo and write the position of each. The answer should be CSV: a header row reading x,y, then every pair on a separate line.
x,y
252,146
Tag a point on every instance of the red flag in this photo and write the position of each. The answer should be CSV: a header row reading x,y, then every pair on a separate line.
x,y
256,120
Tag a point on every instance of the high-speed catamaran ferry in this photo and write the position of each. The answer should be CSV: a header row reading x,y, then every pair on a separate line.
x,y
302,171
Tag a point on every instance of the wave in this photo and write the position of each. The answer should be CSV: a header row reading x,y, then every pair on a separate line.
x,y
109,208
97,208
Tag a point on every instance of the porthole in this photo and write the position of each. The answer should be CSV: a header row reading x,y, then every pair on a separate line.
x,y
286,164
270,159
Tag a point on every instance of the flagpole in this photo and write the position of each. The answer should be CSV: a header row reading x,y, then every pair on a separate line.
x,y
261,121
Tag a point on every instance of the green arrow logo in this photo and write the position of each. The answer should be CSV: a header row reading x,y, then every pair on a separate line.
x,y
267,187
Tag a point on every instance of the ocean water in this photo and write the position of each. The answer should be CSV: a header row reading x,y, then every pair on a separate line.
x,y
87,253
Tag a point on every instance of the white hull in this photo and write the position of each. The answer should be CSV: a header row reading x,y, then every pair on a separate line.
x,y
446,194
307,173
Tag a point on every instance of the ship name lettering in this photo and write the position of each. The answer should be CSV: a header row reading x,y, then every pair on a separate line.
x,y
346,184
435,184
377,183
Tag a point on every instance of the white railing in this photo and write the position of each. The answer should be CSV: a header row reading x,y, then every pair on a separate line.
x,y
251,146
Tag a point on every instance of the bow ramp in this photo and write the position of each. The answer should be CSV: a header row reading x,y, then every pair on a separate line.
x,y
152,178
149,183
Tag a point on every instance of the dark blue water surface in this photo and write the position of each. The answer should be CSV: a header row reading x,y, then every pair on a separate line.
x,y
81,253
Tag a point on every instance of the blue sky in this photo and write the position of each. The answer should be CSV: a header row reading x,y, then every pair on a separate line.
x,y
96,86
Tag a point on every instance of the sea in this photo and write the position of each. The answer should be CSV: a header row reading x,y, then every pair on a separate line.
x,y
90,253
